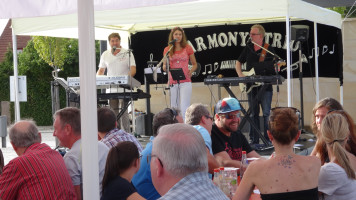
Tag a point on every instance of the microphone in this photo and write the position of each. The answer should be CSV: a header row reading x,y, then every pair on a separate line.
x,y
173,41
113,49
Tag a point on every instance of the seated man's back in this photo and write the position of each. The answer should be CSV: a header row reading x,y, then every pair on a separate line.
x,y
40,173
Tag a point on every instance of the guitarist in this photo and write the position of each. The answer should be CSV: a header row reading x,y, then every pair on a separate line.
x,y
252,54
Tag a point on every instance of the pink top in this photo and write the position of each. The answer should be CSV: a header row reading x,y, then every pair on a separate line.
x,y
180,59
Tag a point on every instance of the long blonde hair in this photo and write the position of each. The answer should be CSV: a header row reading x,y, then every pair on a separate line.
x,y
335,131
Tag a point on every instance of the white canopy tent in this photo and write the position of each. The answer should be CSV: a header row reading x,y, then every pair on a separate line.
x,y
186,14
43,17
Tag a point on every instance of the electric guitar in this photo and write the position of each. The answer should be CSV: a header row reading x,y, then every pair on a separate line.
x,y
247,87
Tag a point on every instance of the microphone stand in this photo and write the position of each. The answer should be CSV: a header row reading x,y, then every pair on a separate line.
x,y
160,63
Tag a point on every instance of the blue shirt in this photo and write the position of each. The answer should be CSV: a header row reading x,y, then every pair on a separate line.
x,y
142,179
206,137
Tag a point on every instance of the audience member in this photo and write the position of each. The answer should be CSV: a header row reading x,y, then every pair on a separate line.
x,y
337,178
108,131
350,145
319,112
199,116
122,163
179,165
227,141
285,175
38,173
67,129
142,179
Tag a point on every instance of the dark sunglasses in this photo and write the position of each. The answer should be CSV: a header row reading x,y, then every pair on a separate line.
x,y
231,115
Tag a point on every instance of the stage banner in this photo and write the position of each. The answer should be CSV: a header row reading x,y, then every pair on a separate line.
x,y
218,47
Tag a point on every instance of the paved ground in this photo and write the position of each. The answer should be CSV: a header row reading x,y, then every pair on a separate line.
x,y
304,145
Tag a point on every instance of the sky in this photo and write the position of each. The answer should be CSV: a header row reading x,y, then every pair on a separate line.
x,y
3,23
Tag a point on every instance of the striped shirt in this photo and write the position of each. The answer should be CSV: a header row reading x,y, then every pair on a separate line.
x,y
114,136
39,173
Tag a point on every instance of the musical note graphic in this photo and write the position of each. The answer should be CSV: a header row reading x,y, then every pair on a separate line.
x,y
216,66
332,52
209,72
325,49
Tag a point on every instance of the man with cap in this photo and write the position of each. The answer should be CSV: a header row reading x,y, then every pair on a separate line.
x,y
227,141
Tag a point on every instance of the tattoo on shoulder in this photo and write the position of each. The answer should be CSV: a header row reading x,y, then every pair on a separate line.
x,y
286,161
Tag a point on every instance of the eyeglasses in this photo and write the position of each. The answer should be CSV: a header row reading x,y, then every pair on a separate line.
x,y
231,115
209,117
149,157
253,34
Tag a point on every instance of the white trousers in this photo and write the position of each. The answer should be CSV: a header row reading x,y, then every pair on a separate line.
x,y
180,96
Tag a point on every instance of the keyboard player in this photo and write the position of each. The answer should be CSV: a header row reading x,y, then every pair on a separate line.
x,y
117,61
252,53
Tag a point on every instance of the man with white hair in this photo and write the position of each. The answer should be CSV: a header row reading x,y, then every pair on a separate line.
x,y
179,165
39,172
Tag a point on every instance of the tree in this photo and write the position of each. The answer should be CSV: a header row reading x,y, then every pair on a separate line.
x,y
39,76
51,50
345,11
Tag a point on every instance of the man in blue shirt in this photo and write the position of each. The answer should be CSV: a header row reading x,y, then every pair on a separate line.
x,y
198,115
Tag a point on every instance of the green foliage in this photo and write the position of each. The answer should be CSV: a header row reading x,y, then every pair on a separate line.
x,y
39,76
52,50
351,11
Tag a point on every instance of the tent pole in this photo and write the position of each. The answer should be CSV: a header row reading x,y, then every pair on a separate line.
x,y
342,95
316,62
288,62
88,100
16,84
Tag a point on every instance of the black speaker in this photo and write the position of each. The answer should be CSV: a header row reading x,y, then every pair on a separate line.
x,y
300,33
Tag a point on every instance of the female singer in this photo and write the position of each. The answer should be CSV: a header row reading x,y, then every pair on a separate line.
x,y
180,52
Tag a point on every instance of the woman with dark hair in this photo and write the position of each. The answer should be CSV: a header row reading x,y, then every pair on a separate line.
x,y
180,53
122,163
337,179
286,175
